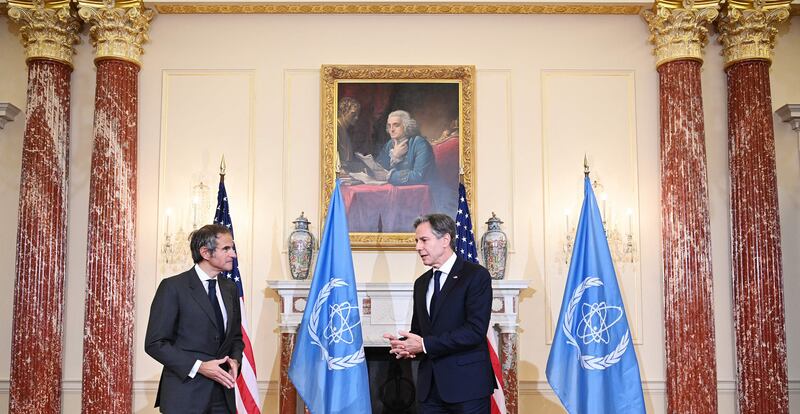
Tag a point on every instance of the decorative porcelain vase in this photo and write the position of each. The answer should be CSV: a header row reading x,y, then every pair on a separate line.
x,y
301,248
494,246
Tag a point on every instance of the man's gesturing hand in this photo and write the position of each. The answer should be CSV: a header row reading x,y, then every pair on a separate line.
x,y
406,346
211,369
234,368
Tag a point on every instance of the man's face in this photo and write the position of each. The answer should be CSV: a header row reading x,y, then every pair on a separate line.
x,y
431,250
351,116
394,126
221,258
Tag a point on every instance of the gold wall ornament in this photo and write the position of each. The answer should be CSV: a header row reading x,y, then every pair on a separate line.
x,y
397,8
680,32
749,33
47,30
117,32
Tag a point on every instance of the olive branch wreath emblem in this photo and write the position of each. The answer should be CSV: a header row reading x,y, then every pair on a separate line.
x,y
334,363
591,362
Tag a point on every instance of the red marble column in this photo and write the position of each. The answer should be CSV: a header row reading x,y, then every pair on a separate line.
x,y
508,362
686,241
109,324
37,333
288,401
756,242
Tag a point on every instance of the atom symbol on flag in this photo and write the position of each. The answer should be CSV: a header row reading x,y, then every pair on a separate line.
x,y
339,328
594,324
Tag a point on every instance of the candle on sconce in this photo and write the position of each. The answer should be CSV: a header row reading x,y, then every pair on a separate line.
x,y
169,213
604,197
630,220
195,202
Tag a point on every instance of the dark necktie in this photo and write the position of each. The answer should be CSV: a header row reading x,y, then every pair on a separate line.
x,y
212,296
436,290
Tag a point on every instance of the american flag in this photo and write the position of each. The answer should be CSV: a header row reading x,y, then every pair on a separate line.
x,y
246,386
465,247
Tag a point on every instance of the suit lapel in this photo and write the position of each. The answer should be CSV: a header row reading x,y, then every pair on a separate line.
x,y
227,300
200,295
421,294
453,279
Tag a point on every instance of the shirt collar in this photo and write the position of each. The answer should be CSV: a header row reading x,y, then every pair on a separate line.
x,y
202,275
447,266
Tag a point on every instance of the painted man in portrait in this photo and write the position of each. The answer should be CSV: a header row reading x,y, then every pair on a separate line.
x,y
348,111
407,156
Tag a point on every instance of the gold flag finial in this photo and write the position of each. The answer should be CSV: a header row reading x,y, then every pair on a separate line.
x,y
585,165
222,165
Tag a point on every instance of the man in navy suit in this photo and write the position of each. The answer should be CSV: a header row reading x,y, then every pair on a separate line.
x,y
452,307
195,330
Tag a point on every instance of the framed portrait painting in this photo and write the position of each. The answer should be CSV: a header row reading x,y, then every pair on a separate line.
x,y
399,139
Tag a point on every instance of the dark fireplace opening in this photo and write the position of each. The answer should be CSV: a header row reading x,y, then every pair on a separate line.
x,y
391,382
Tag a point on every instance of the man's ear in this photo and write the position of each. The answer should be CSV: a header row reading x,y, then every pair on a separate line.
x,y
205,253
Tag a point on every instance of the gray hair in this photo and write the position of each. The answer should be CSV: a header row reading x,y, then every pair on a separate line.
x,y
205,236
441,224
410,127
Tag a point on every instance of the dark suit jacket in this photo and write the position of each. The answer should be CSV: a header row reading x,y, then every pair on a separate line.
x,y
183,329
457,354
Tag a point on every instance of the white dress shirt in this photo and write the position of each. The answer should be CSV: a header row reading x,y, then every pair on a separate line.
x,y
446,267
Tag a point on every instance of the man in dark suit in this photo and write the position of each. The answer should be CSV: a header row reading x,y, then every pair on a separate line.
x,y
452,307
195,330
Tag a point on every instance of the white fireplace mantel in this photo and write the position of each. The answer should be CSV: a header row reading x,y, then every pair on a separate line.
x,y
387,307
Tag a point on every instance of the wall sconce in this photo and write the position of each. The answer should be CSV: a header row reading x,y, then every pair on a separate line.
x,y
174,252
175,255
201,204
622,246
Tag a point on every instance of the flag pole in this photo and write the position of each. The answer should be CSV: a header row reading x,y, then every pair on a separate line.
x,y
585,165
222,169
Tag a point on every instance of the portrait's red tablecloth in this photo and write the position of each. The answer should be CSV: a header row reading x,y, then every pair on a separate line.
x,y
385,208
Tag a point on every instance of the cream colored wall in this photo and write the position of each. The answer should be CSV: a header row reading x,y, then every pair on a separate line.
x,y
283,55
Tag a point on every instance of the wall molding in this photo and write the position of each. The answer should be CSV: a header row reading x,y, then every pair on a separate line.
x,y
525,387
649,387
72,386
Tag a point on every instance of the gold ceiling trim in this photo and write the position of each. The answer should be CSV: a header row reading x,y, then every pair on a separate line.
x,y
400,8
345,8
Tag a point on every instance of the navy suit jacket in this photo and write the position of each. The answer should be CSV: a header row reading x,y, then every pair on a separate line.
x,y
183,329
457,354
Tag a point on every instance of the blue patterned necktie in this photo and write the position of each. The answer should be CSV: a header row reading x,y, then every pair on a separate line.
x,y
436,289
212,296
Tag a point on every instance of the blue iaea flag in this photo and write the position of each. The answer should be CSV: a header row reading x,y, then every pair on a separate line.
x,y
328,366
465,238
592,365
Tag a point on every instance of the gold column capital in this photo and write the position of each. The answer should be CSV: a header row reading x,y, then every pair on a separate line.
x,y
747,30
118,30
678,29
48,29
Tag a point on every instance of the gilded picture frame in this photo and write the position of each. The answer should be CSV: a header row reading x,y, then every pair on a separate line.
x,y
437,131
